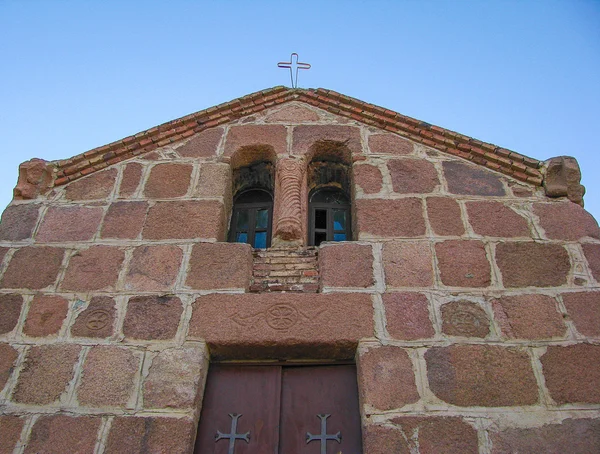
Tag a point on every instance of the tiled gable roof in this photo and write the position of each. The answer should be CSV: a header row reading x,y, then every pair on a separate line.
x,y
496,158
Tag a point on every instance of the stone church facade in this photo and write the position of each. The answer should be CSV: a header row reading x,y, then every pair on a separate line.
x,y
466,294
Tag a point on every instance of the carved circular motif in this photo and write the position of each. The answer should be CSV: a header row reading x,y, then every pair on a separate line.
x,y
97,319
465,322
281,316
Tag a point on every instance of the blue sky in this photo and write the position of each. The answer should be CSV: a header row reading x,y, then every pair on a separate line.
x,y
524,75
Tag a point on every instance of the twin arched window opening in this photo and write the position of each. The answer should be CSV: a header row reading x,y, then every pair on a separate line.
x,y
252,218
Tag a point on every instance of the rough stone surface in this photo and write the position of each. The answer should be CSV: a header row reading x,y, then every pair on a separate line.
x,y
10,432
124,220
215,180
153,268
572,374
389,144
386,379
444,216
96,268
282,325
3,251
407,316
33,268
463,263
390,218
346,265
407,264
46,373
151,435
189,219
46,315
249,137
107,379
293,114
584,310
496,219
566,221
97,320
220,266
168,180
573,436
152,317
384,440
562,178
96,186
10,308
528,317
466,179
532,264
481,375
174,378
64,434
464,318
312,138
18,222
202,145
592,254
369,178
8,356
132,173
36,178
413,176
69,223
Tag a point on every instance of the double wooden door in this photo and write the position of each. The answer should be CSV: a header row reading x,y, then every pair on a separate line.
x,y
280,410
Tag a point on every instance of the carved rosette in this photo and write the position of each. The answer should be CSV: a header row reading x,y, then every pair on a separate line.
x,y
290,173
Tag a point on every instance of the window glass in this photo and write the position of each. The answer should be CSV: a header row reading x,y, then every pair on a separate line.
x,y
329,211
262,219
251,218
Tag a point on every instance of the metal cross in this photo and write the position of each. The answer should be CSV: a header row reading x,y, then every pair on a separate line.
x,y
324,436
233,435
291,65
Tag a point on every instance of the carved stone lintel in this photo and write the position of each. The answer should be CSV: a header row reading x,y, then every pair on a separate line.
x,y
36,177
562,179
288,225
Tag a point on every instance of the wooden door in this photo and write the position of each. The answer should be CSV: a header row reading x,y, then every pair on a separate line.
x,y
284,410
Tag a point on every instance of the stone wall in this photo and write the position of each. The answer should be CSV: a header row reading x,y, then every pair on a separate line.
x,y
470,301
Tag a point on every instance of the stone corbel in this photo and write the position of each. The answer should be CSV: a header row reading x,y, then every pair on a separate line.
x,y
36,177
562,177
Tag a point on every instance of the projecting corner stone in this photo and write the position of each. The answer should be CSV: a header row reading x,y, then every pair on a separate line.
x,y
562,179
36,177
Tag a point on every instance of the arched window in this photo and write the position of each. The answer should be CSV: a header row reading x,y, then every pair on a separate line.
x,y
329,216
252,218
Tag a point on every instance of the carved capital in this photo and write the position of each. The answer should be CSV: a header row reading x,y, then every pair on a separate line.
x,y
562,178
36,177
288,225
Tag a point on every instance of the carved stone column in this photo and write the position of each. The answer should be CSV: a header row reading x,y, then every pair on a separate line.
x,y
287,212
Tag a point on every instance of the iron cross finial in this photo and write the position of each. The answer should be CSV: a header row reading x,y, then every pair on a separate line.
x,y
291,65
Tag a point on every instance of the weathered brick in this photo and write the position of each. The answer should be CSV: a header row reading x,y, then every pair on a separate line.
x,y
99,185
463,263
584,310
46,373
220,266
151,435
64,434
571,373
18,222
309,138
96,268
69,223
386,379
467,179
293,114
153,268
390,218
203,144
248,137
174,378
189,219
10,432
368,177
444,216
46,315
124,220
8,356
413,176
481,375
573,436
282,325
168,180
566,221
532,264
528,317
215,180
407,315
152,317
496,219
407,264
389,143
592,254
10,309
97,320
108,377
132,173
464,318
33,268
346,265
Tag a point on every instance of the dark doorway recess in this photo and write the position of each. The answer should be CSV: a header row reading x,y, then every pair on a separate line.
x,y
280,410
